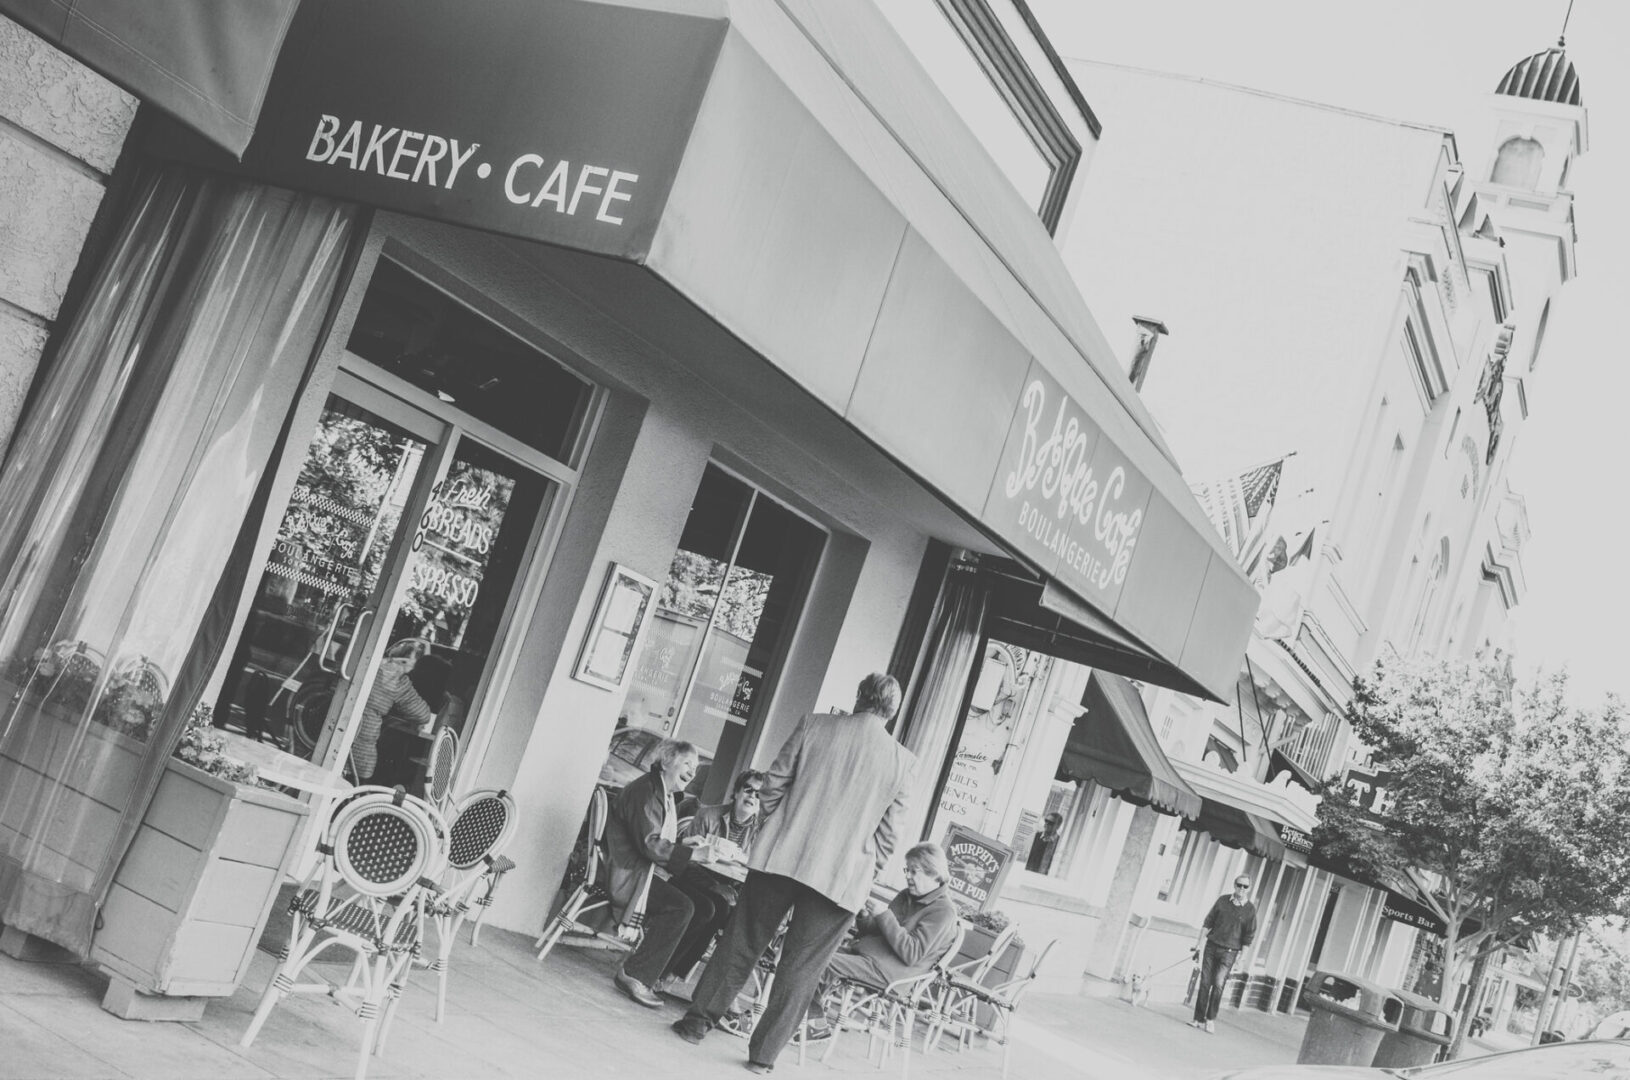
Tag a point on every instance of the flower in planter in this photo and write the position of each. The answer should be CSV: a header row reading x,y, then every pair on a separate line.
x,y
202,747
993,922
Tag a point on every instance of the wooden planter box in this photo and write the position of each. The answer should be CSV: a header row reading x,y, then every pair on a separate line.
x,y
97,774
191,898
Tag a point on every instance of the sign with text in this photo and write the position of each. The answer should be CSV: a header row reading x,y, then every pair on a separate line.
x,y
1067,496
1412,913
1371,789
1295,839
979,864
555,120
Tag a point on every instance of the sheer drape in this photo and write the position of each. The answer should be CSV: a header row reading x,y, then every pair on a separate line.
x,y
123,500
952,652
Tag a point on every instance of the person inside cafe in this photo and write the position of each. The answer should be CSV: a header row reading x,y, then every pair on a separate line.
x,y
392,694
725,833
641,835
891,943
1045,844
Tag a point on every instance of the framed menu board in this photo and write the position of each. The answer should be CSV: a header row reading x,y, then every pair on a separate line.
x,y
619,620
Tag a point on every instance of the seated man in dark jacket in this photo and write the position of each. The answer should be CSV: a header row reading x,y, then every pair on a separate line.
x,y
904,939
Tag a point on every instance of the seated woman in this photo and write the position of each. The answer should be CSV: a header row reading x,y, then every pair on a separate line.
x,y
640,836
712,896
901,940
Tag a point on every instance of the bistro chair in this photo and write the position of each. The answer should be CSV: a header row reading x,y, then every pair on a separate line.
x,y
956,1008
589,892
1001,1000
439,769
367,896
480,828
887,1016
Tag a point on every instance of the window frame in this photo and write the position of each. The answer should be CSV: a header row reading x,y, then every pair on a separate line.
x,y
996,53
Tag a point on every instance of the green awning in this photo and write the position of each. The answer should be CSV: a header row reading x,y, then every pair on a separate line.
x,y
1113,744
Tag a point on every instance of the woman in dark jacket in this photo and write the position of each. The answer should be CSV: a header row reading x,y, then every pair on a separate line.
x,y
640,836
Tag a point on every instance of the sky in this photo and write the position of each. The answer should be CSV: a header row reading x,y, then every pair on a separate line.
x,y
1436,61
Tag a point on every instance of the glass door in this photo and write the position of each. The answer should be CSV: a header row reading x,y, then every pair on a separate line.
x,y
315,612
393,572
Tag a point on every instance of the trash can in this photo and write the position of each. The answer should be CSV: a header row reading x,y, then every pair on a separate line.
x,y
1424,1028
1350,1017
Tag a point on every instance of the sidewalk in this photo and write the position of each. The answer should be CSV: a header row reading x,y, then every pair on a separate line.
x,y
509,1016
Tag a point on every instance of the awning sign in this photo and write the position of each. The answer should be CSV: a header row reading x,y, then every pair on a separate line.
x,y
562,121
1411,913
1067,495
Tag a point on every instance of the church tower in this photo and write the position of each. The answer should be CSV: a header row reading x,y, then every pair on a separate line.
x,y
1540,128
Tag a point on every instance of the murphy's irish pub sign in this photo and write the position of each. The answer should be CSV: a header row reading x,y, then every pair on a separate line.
x,y
1067,495
552,120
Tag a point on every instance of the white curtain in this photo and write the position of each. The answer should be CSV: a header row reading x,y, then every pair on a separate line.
x,y
123,501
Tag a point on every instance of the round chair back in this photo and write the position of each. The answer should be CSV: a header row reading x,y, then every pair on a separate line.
x,y
383,844
481,827
443,763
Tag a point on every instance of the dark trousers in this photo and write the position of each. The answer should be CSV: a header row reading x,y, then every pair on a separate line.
x,y
1215,964
667,913
712,911
817,929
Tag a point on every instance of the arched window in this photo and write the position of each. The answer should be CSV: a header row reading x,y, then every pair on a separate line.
x,y
1519,163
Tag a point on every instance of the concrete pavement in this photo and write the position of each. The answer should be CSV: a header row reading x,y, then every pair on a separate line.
x,y
509,1016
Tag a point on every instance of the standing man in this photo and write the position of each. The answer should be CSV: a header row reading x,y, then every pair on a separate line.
x,y
1229,927
831,803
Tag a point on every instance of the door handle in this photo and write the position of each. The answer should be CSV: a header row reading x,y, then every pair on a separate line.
x,y
327,643
351,646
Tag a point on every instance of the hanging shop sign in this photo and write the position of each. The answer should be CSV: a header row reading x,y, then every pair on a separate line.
x,y
555,120
1295,839
1371,790
1068,496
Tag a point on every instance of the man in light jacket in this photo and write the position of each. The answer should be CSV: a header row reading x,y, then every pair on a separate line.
x,y
832,803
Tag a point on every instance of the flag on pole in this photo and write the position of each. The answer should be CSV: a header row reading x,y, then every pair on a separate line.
x,y
1239,506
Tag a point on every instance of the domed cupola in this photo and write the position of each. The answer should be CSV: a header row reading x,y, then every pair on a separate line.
x,y
1545,76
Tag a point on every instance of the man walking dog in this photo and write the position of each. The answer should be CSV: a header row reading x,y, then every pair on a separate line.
x,y
1229,927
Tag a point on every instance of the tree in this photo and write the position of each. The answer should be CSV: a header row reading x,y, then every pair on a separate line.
x,y
1508,804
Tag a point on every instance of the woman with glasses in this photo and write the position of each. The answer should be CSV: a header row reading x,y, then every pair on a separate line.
x,y
732,826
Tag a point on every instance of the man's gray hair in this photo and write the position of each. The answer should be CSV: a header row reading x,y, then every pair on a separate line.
x,y
878,693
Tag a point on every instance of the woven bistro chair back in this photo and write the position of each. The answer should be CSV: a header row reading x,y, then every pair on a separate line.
x,y
439,770
481,827
382,853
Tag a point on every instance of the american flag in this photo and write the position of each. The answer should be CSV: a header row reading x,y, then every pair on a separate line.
x,y
1239,506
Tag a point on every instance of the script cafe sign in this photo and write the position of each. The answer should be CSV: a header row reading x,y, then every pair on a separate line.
x,y
1077,504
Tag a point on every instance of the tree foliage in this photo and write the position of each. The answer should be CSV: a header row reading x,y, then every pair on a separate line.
x,y
1508,803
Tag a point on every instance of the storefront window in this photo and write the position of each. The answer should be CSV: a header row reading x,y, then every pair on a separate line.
x,y
415,331
723,618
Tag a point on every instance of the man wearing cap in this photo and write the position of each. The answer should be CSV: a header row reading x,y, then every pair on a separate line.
x,y
1229,926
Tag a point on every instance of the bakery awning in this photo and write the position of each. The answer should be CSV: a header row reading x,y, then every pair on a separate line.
x,y
1113,744
204,62
1233,827
792,173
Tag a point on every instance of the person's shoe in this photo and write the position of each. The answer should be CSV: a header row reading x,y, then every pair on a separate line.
x,y
636,990
759,1067
1211,1027
1196,1024
811,1035
693,1029
734,1023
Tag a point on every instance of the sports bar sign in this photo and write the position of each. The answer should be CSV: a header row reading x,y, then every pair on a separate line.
x,y
1066,495
555,120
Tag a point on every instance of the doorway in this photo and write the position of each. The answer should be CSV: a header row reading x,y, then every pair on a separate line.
x,y
380,606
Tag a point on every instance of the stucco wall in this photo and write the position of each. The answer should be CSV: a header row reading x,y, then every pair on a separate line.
x,y
61,130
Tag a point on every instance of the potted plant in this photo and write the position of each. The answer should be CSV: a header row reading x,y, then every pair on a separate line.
x,y
190,899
